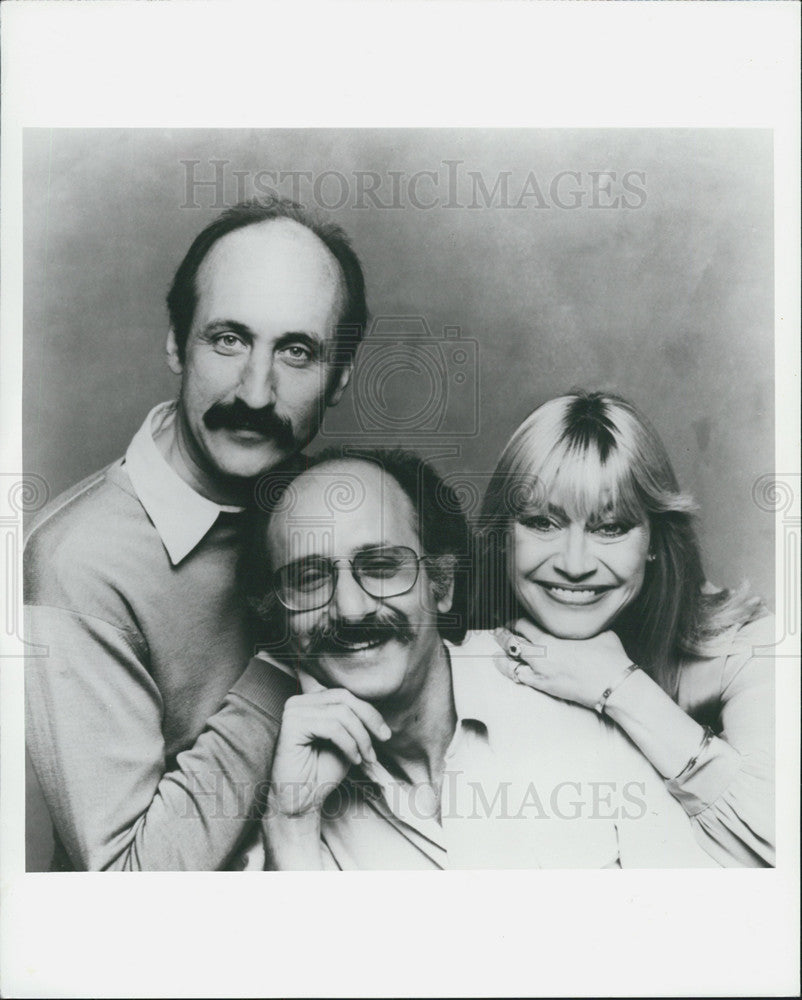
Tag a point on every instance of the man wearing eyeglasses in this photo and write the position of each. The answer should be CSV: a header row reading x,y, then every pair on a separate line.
x,y
407,748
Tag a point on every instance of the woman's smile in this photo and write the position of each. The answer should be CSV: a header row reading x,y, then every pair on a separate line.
x,y
568,593
575,576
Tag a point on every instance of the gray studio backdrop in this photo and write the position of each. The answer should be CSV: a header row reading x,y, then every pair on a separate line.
x,y
503,267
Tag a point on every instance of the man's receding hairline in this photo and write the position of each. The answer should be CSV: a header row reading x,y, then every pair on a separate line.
x,y
290,225
385,474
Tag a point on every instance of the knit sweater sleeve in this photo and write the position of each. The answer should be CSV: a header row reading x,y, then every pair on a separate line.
x,y
94,733
729,791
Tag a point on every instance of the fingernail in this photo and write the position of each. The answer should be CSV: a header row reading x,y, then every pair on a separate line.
x,y
385,732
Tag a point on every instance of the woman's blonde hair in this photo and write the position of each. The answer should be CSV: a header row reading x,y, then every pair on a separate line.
x,y
592,453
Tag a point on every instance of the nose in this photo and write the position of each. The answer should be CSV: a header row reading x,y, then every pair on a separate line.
x,y
256,386
574,559
350,602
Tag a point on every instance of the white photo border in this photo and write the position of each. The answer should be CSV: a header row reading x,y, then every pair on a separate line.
x,y
549,64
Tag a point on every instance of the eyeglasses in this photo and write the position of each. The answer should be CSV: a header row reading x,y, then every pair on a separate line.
x,y
308,584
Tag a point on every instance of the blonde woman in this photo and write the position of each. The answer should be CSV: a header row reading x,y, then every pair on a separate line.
x,y
592,572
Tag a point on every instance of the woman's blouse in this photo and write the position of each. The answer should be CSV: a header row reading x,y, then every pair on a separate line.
x,y
729,792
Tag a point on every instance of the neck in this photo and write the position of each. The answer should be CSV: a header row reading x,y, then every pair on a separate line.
x,y
175,446
423,727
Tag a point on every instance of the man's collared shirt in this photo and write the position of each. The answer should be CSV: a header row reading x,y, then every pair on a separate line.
x,y
181,516
530,782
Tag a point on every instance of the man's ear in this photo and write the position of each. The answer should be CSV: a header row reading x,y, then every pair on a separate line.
x,y
173,358
441,573
340,380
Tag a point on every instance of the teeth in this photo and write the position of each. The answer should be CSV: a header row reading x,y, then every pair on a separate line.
x,y
358,646
574,596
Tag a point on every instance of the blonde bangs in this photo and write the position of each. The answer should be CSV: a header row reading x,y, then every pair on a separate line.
x,y
627,479
576,480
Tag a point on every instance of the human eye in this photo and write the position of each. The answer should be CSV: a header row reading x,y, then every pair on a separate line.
x,y
382,564
306,576
297,353
538,522
228,343
611,529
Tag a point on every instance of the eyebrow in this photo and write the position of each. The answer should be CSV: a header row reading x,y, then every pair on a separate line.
x,y
367,547
310,340
231,325
243,330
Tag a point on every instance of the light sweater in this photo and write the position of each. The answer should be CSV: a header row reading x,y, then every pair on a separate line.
x,y
150,731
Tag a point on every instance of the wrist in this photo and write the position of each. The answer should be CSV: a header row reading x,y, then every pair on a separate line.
x,y
619,681
301,819
292,840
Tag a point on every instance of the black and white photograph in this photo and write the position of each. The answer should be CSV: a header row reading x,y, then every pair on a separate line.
x,y
520,406
403,499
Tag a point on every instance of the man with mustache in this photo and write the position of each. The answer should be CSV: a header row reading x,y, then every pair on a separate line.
x,y
407,748
149,729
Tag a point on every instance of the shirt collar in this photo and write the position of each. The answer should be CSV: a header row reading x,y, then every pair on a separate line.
x,y
473,685
181,516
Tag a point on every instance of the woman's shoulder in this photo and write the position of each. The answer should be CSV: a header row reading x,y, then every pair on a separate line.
x,y
758,631
740,657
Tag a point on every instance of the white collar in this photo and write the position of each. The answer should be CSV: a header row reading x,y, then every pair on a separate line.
x,y
181,516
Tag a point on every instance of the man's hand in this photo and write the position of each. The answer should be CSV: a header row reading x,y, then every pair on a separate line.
x,y
577,670
322,735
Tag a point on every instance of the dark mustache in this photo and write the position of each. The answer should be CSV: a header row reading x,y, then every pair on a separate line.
x,y
238,416
336,636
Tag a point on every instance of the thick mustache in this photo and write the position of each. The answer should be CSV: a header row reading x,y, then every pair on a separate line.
x,y
339,636
238,416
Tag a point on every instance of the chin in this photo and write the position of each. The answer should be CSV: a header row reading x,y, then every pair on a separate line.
x,y
562,629
251,464
365,677
576,632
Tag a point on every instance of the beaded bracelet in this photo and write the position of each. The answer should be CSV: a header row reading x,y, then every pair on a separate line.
x,y
602,702
706,738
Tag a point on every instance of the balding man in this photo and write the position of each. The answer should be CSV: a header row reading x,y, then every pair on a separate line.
x,y
149,729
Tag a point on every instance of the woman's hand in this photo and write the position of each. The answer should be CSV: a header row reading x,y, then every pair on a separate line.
x,y
577,670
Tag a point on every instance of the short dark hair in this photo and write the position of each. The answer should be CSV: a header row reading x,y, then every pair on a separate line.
x,y
442,526
183,295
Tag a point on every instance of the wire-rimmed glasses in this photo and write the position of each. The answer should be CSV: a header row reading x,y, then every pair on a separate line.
x,y
382,571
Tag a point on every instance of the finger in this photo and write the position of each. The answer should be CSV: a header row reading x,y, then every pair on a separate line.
x,y
350,722
330,729
303,713
517,647
370,718
307,717
509,642
517,671
534,640
309,684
